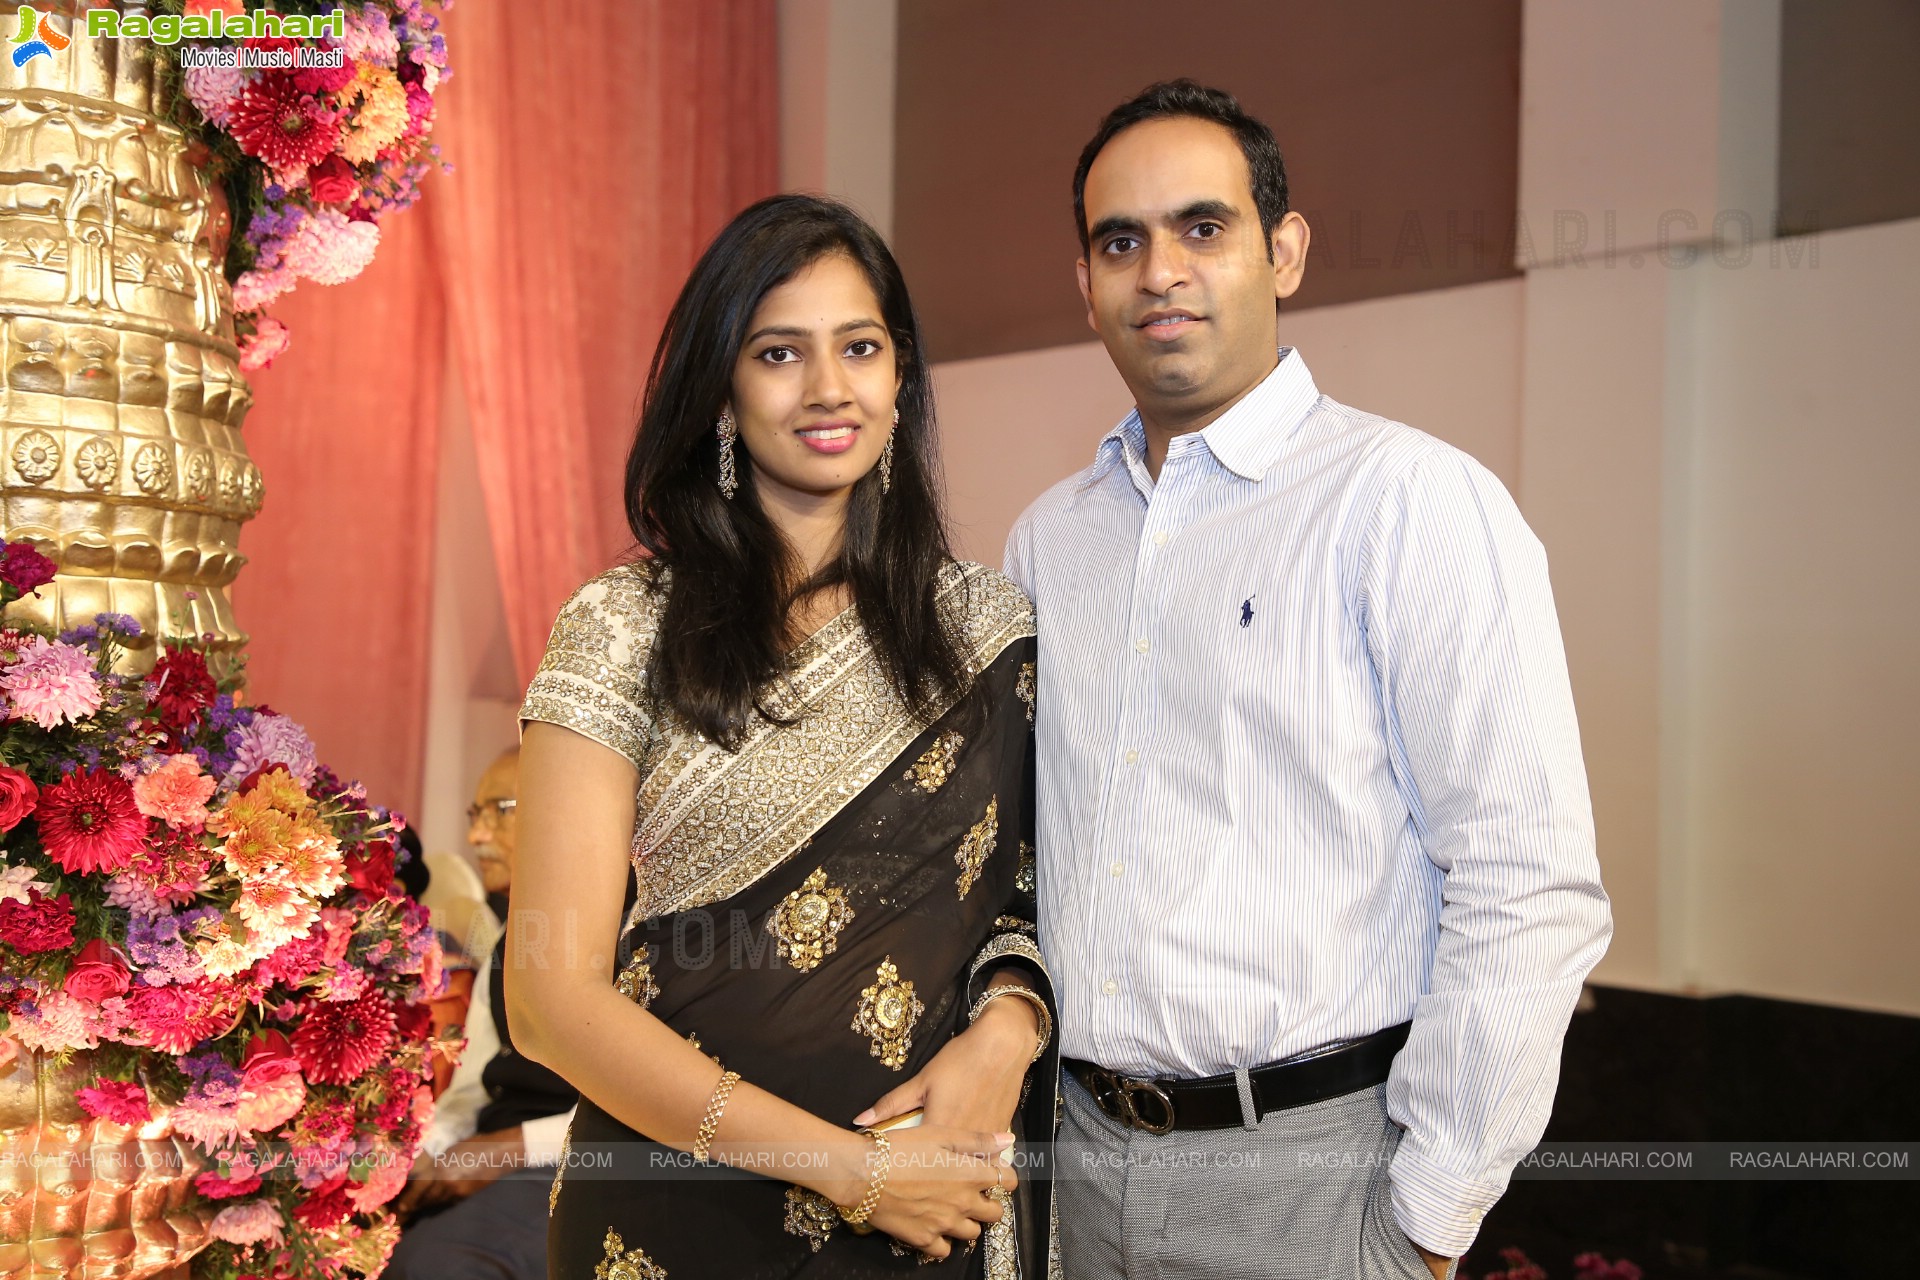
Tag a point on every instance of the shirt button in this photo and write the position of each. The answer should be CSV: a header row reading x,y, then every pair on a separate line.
x,y
1141,644
1118,868
1110,987
1160,538
1132,757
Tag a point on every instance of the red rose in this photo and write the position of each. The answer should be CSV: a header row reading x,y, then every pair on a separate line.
x,y
181,687
38,924
413,1021
332,181
18,796
269,1056
370,869
98,973
24,569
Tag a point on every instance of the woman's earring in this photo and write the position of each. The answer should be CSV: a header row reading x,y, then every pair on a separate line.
x,y
886,457
729,483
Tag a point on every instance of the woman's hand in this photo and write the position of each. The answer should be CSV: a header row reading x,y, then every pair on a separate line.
x,y
939,1183
974,1081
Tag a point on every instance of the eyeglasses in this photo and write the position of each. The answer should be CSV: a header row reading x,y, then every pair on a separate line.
x,y
492,810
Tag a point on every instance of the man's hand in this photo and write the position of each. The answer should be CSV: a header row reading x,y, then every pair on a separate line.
x,y
462,1169
1435,1263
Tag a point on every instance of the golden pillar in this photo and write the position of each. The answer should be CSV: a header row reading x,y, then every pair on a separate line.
x,y
121,396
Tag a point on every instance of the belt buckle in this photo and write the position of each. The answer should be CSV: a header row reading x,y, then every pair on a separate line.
x,y
1119,1097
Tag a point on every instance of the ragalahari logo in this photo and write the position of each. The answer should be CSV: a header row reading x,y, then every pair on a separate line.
x,y
36,37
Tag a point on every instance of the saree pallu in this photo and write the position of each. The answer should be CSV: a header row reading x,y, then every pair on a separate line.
x,y
817,912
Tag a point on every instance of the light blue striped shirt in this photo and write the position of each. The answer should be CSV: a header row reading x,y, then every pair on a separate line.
x,y
1308,767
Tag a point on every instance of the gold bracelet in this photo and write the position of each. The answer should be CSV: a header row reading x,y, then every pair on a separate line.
x,y
710,1122
857,1216
1018,992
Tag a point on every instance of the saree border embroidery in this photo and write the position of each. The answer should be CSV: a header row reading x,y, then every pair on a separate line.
x,y
712,823
974,851
937,763
622,1263
806,925
887,1014
1028,687
811,1216
560,1171
1000,1240
1007,944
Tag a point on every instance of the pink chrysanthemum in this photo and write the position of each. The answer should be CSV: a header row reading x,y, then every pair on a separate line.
x,y
253,1222
274,739
215,90
50,682
60,1024
175,1018
176,793
122,1102
338,1042
90,822
256,289
284,127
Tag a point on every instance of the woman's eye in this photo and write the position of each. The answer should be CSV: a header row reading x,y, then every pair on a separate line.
x,y
864,347
779,355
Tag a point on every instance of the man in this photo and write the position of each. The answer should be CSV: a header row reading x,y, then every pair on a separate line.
x,y
1308,769
497,1130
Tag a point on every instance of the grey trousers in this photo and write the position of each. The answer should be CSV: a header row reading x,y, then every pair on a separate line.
x,y
1304,1195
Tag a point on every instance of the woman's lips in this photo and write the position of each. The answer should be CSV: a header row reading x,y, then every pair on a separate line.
x,y
834,438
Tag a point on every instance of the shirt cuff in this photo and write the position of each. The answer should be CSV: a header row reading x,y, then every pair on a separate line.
x,y
1439,1211
544,1137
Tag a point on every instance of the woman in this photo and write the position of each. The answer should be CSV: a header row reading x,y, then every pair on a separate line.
x,y
809,730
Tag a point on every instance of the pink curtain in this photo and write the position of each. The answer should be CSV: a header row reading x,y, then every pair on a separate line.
x,y
339,578
596,148
595,154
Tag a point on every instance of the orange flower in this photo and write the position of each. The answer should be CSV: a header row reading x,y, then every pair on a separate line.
x,y
176,792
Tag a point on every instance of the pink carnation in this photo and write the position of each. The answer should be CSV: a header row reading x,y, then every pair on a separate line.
x,y
268,340
274,739
120,1102
330,248
61,1023
384,1180
176,793
50,682
253,1222
259,288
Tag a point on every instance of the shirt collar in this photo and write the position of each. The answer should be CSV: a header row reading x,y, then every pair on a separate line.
x,y
1246,439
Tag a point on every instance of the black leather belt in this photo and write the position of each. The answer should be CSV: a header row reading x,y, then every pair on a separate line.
x,y
1161,1106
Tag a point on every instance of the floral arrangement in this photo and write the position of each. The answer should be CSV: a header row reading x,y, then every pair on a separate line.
x,y
210,914
1586,1266
313,158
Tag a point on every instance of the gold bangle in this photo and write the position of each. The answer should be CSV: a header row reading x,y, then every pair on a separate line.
x,y
1018,992
710,1122
857,1216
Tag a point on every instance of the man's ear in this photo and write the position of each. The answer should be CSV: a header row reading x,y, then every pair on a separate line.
x,y
1288,246
1086,292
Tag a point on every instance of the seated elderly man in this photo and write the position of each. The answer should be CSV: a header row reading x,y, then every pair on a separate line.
x,y
480,1188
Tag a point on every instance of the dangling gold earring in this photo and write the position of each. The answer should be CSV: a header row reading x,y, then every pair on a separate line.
x,y
886,457
729,483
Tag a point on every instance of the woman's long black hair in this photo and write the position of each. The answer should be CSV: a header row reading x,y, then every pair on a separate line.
x,y
734,579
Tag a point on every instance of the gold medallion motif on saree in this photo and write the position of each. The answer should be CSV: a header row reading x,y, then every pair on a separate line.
x,y
937,763
1025,879
1027,686
888,1010
622,1263
811,1216
975,849
808,921
635,982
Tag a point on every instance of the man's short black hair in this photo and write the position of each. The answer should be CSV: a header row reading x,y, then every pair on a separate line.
x,y
1171,98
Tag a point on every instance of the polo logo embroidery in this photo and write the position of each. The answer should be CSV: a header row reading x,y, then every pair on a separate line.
x,y
1246,612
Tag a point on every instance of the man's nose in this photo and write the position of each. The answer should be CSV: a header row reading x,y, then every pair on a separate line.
x,y
1164,266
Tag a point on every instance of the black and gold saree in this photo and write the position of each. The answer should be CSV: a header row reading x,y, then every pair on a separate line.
x,y
816,910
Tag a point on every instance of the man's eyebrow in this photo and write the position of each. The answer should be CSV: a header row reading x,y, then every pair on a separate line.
x,y
796,331
1209,208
